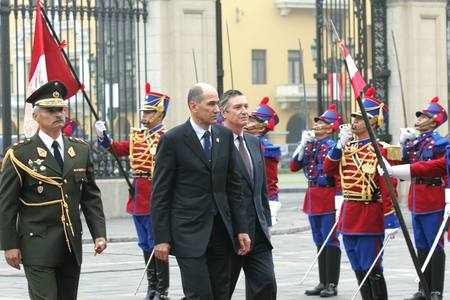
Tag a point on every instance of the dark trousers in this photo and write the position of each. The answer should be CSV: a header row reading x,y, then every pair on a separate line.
x,y
53,283
258,268
207,277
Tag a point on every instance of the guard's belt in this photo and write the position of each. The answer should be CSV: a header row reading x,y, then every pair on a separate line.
x,y
375,198
142,175
330,183
428,181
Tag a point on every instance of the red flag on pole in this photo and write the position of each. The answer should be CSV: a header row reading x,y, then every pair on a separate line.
x,y
47,63
358,83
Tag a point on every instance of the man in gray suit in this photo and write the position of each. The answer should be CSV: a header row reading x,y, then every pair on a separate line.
x,y
197,203
258,263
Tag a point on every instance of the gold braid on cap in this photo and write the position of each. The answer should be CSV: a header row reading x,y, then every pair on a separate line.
x,y
65,217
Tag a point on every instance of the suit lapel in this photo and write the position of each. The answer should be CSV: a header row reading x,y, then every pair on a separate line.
x,y
49,160
68,159
192,141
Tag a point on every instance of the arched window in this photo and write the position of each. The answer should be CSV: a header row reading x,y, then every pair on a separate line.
x,y
295,126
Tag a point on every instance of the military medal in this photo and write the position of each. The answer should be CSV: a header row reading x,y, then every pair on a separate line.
x,y
42,168
30,162
153,150
41,152
71,152
40,189
38,161
217,140
368,168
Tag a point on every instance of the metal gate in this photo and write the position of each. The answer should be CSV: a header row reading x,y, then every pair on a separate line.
x,y
106,45
361,25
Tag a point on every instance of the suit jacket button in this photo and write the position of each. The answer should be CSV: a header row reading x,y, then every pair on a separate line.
x,y
31,234
65,180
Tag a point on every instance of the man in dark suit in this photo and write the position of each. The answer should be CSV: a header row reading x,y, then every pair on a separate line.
x,y
197,203
258,263
44,182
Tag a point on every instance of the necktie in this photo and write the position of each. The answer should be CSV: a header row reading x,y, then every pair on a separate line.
x,y
57,154
207,145
245,157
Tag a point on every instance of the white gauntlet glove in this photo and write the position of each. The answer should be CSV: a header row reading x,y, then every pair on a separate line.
x,y
401,171
307,136
345,134
100,128
407,135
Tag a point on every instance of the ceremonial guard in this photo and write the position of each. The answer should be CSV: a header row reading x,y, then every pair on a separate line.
x,y
262,120
46,182
367,210
319,203
426,195
141,147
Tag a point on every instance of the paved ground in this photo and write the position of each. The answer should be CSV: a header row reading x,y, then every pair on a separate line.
x,y
115,274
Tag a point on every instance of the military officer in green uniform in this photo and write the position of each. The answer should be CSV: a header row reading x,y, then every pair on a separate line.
x,y
44,182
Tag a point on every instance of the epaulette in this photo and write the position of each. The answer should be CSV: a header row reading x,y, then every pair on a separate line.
x,y
393,152
272,151
77,140
20,143
439,141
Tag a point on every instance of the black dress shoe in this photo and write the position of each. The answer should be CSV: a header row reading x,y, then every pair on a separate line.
x,y
420,295
329,291
315,291
436,296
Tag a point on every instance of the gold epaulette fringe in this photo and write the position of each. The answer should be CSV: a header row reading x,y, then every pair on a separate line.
x,y
393,152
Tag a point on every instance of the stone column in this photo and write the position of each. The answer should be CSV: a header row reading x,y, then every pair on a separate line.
x,y
175,29
420,30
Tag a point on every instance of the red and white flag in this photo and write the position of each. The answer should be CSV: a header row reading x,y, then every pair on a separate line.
x,y
358,83
335,86
47,64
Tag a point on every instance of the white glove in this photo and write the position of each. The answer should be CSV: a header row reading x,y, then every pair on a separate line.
x,y
447,202
100,127
338,201
307,136
391,232
345,134
402,172
388,168
407,135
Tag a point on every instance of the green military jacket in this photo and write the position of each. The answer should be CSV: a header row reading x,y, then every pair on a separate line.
x,y
40,204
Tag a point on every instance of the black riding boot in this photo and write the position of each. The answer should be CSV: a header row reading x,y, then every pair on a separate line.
x,y
420,295
378,285
437,265
162,275
365,291
333,268
322,275
151,276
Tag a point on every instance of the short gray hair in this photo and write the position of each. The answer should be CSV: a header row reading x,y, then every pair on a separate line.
x,y
225,97
195,93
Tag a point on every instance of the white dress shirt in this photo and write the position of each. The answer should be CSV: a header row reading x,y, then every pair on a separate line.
x,y
48,141
200,132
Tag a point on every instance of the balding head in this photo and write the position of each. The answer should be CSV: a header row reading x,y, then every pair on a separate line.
x,y
203,103
196,92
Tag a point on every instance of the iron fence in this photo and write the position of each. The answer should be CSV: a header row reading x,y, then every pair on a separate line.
x,y
106,44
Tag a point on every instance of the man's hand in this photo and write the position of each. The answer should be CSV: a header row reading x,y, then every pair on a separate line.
x,y
388,168
162,251
345,134
100,128
100,245
407,135
13,258
244,242
391,232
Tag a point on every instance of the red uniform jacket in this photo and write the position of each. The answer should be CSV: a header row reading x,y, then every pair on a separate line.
x,y
360,217
139,202
319,197
431,168
422,197
272,154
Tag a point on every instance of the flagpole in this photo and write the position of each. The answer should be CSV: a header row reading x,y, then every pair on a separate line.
x,y
390,188
302,70
229,55
93,111
195,65
405,120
